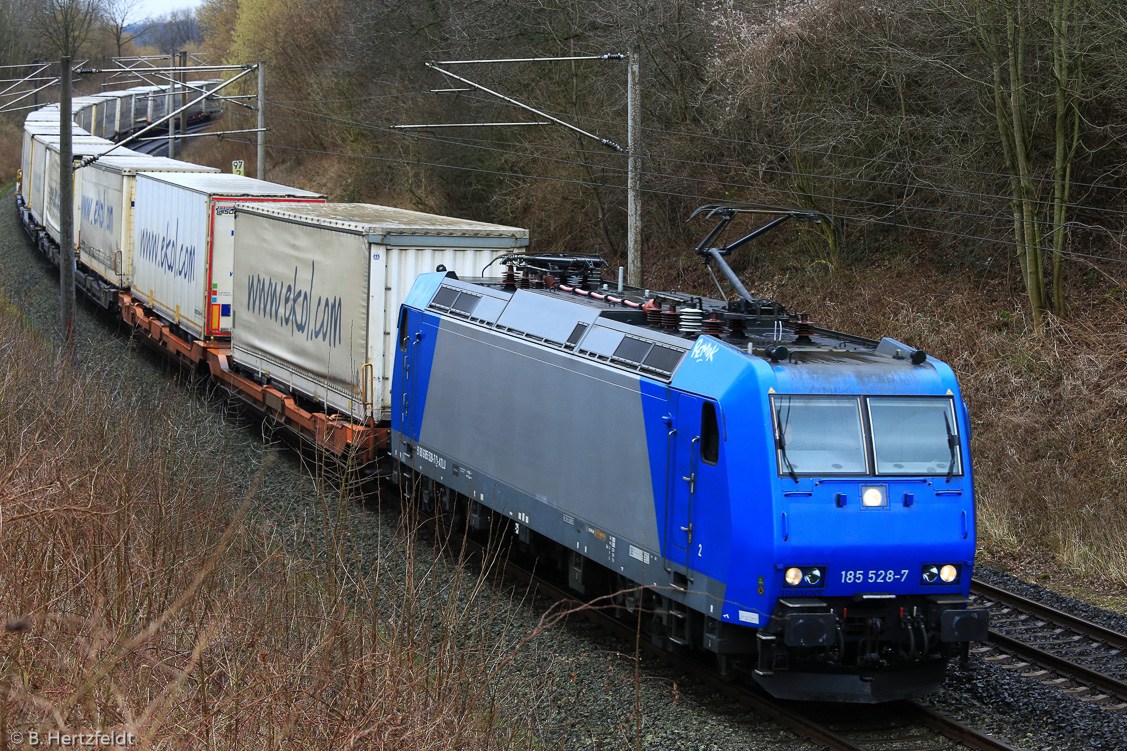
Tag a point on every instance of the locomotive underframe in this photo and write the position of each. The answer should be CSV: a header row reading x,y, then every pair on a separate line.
x,y
840,649
868,648
865,648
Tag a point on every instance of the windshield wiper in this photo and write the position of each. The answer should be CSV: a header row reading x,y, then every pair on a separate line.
x,y
952,442
782,443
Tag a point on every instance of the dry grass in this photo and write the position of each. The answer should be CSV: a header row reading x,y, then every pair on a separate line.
x,y
11,143
1049,411
140,595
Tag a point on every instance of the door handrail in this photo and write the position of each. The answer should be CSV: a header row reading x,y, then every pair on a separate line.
x,y
694,454
670,490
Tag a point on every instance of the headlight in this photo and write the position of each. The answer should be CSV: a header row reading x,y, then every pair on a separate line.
x,y
806,576
947,573
873,496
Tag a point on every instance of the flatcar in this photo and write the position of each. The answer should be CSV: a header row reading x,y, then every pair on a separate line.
x,y
797,502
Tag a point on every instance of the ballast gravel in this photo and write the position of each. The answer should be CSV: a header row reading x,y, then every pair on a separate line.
x,y
578,687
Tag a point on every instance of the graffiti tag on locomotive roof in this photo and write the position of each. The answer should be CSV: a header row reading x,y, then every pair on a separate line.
x,y
704,350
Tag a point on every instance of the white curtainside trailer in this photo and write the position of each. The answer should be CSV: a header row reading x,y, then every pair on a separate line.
x,y
35,157
142,103
82,109
105,204
51,215
183,241
44,168
49,113
31,129
102,102
118,114
318,290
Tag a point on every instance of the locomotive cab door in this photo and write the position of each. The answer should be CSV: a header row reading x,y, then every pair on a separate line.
x,y
407,355
693,471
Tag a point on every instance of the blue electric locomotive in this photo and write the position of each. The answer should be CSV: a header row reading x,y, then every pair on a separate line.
x,y
796,501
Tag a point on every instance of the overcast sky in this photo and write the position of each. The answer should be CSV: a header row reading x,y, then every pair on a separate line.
x,y
154,8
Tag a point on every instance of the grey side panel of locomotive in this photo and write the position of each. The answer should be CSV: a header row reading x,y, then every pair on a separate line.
x,y
581,409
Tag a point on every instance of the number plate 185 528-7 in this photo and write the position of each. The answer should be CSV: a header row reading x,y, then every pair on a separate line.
x,y
874,576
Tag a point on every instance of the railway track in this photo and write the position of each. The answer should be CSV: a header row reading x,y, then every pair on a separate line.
x,y
1083,659
898,726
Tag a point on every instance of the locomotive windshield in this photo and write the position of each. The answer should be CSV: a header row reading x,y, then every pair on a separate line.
x,y
915,436
819,435
825,435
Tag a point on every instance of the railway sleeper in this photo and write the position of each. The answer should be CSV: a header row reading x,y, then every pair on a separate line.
x,y
1097,699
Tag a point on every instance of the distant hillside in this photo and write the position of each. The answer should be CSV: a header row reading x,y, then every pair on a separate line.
x,y
167,34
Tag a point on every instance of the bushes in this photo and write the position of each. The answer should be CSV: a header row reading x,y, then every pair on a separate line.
x,y
142,594
11,142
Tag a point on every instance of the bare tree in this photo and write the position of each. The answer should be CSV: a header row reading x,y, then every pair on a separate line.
x,y
118,16
66,24
16,44
1047,63
172,32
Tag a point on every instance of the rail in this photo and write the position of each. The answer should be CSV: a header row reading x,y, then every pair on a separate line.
x,y
913,727
1085,654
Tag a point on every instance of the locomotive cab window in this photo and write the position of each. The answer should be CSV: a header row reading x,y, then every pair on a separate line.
x,y
819,435
915,435
403,336
709,434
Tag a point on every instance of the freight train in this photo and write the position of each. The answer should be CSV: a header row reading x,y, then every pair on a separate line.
x,y
795,502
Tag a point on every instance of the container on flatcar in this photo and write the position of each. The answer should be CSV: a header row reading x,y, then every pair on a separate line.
x,y
212,106
118,113
51,215
100,105
109,114
162,101
50,113
31,129
196,89
142,97
318,290
83,109
104,221
44,167
183,228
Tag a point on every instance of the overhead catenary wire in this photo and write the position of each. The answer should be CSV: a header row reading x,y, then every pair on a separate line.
x,y
778,147
886,206
914,166
790,173
868,220
588,183
839,155
350,99
604,141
